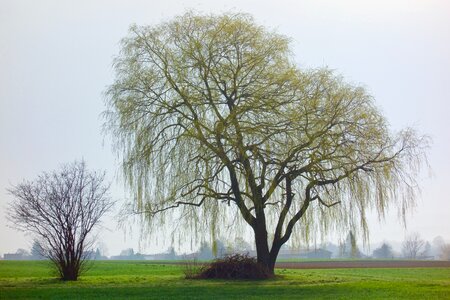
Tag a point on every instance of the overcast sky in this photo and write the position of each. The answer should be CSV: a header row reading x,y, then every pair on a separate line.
x,y
55,62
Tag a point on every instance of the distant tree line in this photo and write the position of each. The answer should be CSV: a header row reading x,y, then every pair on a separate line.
x,y
413,247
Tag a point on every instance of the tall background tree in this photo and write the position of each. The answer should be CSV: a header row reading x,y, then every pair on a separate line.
x,y
60,209
413,246
213,119
37,252
384,251
348,248
445,252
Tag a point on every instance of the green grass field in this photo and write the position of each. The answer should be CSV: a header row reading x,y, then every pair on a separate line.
x,y
144,280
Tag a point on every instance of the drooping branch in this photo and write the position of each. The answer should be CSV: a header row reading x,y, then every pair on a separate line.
x,y
328,205
159,210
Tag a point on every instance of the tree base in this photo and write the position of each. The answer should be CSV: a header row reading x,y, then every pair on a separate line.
x,y
236,266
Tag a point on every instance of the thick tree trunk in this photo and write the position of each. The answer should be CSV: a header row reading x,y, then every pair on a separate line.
x,y
265,256
263,253
69,273
276,246
69,270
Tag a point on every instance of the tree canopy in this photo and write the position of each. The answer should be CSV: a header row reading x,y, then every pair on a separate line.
x,y
211,115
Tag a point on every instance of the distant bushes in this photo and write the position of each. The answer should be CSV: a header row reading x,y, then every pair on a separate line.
x,y
235,266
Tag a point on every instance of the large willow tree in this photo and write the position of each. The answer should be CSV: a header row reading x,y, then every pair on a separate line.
x,y
212,117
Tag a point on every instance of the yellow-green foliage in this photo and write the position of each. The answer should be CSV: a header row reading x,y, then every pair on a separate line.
x,y
211,115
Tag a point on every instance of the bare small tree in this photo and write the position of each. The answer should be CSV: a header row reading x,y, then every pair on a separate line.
x,y
60,209
413,246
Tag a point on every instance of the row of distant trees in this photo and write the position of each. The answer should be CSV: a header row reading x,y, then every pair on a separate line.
x,y
38,253
413,247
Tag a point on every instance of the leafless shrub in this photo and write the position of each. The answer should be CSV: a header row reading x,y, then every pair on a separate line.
x,y
60,209
235,266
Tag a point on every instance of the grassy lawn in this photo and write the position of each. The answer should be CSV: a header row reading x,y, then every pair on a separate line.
x,y
144,280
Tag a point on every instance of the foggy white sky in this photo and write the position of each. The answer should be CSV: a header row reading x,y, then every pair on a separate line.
x,y
55,62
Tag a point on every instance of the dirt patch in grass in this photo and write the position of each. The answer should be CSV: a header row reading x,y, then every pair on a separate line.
x,y
364,264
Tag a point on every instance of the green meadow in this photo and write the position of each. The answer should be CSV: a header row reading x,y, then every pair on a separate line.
x,y
149,280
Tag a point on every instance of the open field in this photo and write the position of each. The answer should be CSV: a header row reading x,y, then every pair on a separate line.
x,y
340,263
144,280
